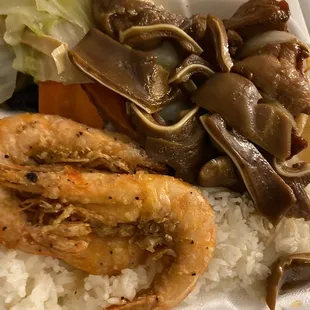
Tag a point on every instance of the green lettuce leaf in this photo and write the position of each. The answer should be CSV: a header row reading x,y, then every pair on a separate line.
x,y
41,32
7,73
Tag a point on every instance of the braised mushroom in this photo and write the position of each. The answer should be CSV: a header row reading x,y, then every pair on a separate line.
x,y
140,36
221,172
271,195
182,145
287,273
133,74
237,100
257,16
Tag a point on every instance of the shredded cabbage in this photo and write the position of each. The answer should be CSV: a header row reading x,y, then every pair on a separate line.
x,y
7,73
40,33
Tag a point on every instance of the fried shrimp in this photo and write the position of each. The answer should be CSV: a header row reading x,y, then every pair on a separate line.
x,y
60,196
32,139
147,213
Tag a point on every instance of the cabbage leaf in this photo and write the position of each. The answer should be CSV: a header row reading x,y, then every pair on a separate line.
x,y
41,32
7,73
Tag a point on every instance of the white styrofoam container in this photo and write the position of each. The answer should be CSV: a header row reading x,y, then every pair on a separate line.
x,y
221,300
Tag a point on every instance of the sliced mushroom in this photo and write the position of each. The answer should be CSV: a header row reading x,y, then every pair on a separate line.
x,y
271,195
235,98
297,177
221,172
139,36
191,65
114,16
289,272
220,41
258,16
133,74
183,145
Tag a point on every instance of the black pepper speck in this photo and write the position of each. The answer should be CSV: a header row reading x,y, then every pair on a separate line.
x,y
32,177
4,228
193,274
6,156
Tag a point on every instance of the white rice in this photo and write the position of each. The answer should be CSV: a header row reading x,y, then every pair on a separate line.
x,y
246,246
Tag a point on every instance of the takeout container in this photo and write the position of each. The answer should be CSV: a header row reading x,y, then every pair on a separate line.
x,y
219,300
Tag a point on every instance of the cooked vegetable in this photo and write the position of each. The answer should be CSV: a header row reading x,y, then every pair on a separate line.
x,y
237,100
139,36
271,195
54,26
7,74
68,101
133,74
262,39
288,272
221,172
